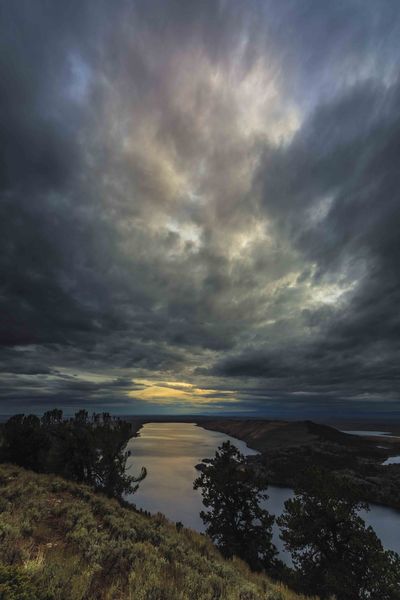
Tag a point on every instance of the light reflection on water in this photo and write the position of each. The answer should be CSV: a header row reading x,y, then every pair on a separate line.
x,y
392,460
170,452
369,433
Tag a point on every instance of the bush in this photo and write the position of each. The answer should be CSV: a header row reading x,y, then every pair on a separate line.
x,y
17,585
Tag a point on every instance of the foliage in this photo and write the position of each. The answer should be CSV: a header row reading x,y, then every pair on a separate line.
x,y
332,549
236,522
16,584
88,450
60,540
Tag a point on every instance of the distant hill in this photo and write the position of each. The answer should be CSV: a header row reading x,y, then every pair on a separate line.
x,y
262,434
62,541
288,447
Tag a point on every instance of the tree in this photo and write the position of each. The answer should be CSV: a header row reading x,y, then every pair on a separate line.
x,y
24,442
236,522
109,468
84,449
75,449
333,551
52,417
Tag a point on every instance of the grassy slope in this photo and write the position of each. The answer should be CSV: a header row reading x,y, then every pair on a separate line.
x,y
59,540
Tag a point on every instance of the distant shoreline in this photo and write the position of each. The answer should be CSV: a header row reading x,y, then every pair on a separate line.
x,y
285,448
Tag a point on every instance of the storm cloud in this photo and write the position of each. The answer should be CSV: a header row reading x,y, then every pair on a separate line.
x,y
199,206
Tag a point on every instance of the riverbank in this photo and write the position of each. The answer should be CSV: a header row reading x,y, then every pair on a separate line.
x,y
171,454
286,448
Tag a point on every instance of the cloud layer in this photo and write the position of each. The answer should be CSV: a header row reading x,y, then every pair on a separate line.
x,y
199,206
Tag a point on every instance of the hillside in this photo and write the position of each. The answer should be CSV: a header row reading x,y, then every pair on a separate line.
x,y
286,448
61,541
263,435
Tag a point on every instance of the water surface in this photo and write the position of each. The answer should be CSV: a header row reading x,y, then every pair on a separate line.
x,y
392,460
367,432
170,452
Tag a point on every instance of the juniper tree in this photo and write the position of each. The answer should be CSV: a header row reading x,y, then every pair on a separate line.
x,y
85,449
333,551
235,521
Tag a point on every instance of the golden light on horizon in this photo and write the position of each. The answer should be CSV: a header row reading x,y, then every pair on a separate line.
x,y
180,391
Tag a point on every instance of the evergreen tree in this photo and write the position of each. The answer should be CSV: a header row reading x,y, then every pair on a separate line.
x,y
235,521
24,442
333,551
84,449
110,465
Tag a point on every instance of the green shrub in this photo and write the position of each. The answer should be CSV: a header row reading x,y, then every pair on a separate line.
x,y
17,585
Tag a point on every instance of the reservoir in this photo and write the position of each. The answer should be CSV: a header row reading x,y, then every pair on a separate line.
x,y
368,433
392,460
170,452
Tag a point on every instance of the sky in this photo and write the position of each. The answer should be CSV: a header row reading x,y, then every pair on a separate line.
x,y
200,206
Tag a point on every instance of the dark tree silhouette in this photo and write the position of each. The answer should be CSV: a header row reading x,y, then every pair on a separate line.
x,y
110,467
24,442
333,551
84,449
235,521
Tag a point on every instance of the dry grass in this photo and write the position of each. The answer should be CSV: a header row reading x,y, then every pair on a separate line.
x,y
61,541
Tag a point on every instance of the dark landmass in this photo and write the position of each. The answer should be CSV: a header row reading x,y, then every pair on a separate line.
x,y
288,448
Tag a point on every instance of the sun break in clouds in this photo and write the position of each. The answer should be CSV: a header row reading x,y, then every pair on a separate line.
x,y
199,206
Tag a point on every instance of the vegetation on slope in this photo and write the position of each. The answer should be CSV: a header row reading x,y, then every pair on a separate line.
x,y
59,540
85,449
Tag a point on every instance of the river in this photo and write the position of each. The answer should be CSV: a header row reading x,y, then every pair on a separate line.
x,y
170,452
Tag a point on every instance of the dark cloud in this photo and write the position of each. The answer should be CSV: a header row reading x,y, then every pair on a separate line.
x,y
199,192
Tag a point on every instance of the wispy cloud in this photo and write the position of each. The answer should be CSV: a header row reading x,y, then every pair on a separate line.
x,y
198,204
